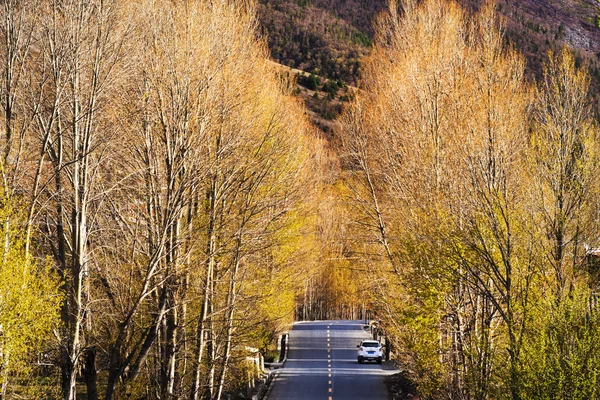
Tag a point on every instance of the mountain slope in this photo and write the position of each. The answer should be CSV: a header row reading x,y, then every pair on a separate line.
x,y
325,37
329,37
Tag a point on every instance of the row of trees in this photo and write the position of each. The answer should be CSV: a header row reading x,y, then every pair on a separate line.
x,y
476,207
157,204
150,205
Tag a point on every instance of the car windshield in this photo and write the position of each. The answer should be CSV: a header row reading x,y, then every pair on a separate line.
x,y
370,344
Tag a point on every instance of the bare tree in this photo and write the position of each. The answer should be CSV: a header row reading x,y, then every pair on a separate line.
x,y
563,144
81,47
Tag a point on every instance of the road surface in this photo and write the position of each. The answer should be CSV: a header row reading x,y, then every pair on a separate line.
x,y
322,365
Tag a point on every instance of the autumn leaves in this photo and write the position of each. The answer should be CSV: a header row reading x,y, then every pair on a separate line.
x,y
163,162
153,157
476,189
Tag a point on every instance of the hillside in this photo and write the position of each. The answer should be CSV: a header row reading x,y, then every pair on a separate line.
x,y
536,26
324,37
329,37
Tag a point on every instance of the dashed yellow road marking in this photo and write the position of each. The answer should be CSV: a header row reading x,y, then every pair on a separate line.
x,y
330,375
330,390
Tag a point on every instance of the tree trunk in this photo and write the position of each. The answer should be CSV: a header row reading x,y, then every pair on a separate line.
x,y
90,374
231,297
207,293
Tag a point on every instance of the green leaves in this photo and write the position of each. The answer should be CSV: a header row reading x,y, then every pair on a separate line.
x,y
29,303
561,354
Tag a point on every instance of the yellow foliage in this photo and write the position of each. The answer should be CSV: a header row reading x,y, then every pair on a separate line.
x,y
29,304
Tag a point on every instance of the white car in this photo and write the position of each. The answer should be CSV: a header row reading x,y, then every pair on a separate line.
x,y
370,350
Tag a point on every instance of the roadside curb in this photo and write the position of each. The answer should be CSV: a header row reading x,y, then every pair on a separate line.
x,y
270,382
274,373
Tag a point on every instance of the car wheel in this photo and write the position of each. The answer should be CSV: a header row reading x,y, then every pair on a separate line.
x,y
379,360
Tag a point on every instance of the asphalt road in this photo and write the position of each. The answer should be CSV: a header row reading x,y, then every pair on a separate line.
x,y
322,364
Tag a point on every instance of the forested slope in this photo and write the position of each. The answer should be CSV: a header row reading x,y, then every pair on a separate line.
x,y
325,37
329,37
